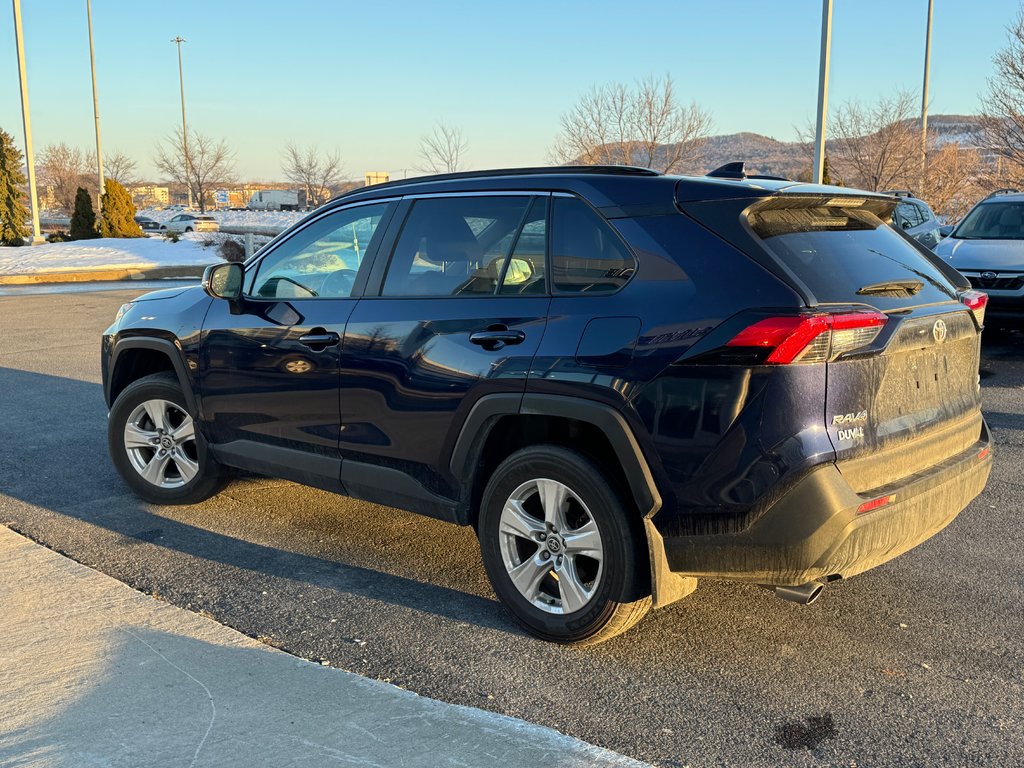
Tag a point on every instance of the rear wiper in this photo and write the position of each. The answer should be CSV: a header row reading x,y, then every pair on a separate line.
x,y
910,287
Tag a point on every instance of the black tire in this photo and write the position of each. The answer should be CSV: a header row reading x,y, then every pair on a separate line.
x,y
620,592
188,229
208,479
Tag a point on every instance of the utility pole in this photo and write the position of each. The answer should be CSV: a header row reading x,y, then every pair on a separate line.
x,y
27,121
95,109
819,127
184,130
924,101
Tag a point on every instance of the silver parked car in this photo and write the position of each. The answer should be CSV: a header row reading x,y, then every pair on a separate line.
x,y
987,247
915,218
191,222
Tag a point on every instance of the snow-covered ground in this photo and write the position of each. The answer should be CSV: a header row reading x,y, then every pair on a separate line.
x,y
280,219
143,253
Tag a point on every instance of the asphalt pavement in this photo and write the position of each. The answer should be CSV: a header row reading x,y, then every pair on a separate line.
x,y
918,662
94,673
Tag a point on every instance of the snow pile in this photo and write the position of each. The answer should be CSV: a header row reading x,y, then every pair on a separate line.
x,y
280,219
143,253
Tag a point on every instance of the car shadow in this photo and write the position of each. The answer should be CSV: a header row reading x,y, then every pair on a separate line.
x,y
53,455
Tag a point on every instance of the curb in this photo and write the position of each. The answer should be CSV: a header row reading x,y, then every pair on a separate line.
x,y
102,275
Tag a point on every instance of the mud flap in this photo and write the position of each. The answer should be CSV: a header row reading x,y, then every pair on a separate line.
x,y
666,586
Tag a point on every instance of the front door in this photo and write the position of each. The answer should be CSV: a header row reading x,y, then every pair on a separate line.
x,y
269,367
459,314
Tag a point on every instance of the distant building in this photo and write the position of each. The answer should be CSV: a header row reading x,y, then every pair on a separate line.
x,y
376,177
148,195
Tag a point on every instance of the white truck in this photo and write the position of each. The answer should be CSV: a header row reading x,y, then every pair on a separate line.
x,y
274,200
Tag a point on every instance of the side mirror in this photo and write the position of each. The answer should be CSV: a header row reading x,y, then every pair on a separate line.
x,y
224,281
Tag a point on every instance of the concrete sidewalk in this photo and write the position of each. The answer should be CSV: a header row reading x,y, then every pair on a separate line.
x,y
95,673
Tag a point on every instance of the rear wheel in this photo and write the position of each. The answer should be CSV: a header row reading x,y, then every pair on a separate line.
x,y
188,229
156,446
559,548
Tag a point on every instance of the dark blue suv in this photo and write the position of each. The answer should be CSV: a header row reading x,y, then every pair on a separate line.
x,y
623,380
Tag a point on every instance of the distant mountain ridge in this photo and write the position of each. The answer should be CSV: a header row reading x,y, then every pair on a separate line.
x,y
766,155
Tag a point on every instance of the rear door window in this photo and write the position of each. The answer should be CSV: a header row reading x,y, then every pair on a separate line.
x,y
846,253
457,246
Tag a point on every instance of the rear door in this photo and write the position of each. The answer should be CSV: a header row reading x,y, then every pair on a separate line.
x,y
456,313
908,398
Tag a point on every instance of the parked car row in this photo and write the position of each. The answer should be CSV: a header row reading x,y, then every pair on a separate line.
x,y
183,222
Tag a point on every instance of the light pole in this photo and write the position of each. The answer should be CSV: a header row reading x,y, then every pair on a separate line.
x,y
184,130
819,127
924,101
27,121
95,108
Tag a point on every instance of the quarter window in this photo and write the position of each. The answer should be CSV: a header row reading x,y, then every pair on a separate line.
x,y
586,255
321,260
455,246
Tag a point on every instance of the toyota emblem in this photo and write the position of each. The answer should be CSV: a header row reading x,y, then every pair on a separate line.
x,y
939,331
988,275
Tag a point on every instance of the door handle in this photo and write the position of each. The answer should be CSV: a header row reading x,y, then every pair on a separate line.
x,y
497,337
318,339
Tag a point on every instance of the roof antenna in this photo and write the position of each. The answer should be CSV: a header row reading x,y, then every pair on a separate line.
x,y
734,170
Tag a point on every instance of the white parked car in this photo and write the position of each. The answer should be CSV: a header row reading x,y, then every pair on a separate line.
x,y
191,222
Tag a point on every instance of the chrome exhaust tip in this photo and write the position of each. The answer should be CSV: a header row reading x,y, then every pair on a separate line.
x,y
804,594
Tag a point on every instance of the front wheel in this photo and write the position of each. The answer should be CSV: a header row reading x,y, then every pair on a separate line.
x,y
560,550
156,446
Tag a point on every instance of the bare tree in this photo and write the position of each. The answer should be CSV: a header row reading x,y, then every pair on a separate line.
x,y
209,164
876,146
121,168
316,173
955,179
642,124
1003,105
442,150
63,169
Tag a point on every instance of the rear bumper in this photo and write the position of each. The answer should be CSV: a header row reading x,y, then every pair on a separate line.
x,y
814,531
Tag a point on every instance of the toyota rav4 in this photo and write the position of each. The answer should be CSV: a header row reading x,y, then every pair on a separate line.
x,y
624,381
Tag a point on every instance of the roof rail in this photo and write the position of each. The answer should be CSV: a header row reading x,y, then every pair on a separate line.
x,y
899,193
1003,191
612,170
737,170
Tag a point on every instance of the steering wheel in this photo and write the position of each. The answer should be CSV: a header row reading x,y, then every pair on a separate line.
x,y
338,284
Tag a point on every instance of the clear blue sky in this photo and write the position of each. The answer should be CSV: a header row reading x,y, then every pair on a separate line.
x,y
368,78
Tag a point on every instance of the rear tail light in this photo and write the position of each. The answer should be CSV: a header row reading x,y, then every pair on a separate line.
x,y
976,301
810,338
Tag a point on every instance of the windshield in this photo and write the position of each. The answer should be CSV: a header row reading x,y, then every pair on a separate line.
x,y
993,221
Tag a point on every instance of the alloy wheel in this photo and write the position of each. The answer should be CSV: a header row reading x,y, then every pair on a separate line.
x,y
551,546
160,441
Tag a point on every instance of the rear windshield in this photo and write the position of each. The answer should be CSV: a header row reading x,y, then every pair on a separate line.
x,y
205,218
993,221
845,253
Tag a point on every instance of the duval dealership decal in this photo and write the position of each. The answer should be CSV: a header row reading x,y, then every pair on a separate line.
x,y
850,426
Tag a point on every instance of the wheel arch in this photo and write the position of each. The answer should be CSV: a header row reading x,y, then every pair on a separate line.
x,y
499,424
135,357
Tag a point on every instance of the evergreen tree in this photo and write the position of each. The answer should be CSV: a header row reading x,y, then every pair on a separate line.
x,y
83,220
117,214
12,210
825,177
